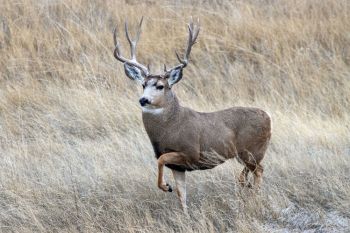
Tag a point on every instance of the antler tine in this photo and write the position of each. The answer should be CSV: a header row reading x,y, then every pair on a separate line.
x,y
131,42
116,43
196,32
117,52
178,57
190,24
139,31
193,34
134,42
126,28
189,43
115,36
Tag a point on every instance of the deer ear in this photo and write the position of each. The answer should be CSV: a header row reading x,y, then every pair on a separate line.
x,y
133,72
175,76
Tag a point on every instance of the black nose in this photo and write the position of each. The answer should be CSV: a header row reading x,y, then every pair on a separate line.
x,y
143,101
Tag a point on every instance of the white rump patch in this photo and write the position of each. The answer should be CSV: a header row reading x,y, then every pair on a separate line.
x,y
270,118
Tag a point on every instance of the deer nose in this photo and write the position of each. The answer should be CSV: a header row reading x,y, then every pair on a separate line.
x,y
143,101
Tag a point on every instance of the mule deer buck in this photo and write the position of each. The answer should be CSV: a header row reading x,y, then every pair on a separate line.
x,y
184,139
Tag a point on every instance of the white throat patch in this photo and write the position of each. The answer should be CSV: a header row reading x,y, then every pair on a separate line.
x,y
155,111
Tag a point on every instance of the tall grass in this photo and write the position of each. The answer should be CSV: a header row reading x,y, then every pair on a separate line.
x,y
74,156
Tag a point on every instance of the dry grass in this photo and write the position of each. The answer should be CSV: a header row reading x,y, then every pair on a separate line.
x,y
75,156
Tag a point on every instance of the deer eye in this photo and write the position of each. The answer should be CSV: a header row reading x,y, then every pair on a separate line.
x,y
143,86
160,87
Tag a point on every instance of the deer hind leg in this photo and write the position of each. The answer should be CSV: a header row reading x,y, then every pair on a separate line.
x,y
168,158
251,161
180,180
257,171
243,158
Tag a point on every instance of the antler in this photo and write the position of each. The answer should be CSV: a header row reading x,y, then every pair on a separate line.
x,y
133,43
193,31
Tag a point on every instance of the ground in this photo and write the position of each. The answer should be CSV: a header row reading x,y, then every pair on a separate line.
x,y
74,156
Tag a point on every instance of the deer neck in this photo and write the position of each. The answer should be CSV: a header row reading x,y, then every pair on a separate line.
x,y
162,117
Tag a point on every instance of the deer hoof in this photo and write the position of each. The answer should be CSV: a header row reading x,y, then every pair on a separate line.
x,y
169,188
246,184
165,187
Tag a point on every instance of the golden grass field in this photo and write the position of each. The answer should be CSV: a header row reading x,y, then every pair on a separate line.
x,y
74,156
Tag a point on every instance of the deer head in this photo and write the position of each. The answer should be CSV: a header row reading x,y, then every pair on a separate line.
x,y
157,91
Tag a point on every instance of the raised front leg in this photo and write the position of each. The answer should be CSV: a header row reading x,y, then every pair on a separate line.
x,y
168,158
180,180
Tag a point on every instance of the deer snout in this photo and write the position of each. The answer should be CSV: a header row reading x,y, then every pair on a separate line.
x,y
143,101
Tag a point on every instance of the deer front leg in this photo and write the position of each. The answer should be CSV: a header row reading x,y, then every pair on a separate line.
x,y
180,180
243,178
168,158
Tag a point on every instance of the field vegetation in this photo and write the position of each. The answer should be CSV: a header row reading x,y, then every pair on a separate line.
x,y
74,156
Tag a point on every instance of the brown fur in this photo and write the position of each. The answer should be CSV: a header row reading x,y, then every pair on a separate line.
x,y
197,136
186,140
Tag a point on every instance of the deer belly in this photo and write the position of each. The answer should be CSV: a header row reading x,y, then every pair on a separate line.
x,y
182,168
208,160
